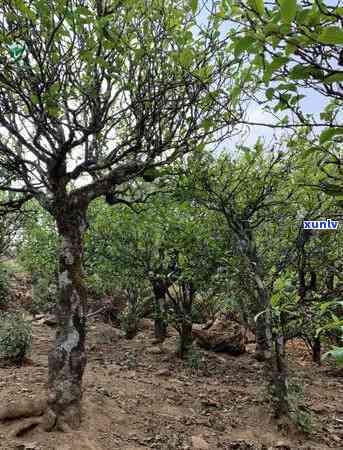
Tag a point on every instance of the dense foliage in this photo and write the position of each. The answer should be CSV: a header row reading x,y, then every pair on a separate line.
x,y
15,337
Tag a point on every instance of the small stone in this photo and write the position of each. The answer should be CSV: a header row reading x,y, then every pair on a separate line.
x,y
113,370
103,391
50,320
154,350
31,446
163,373
39,316
198,443
282,445
28,446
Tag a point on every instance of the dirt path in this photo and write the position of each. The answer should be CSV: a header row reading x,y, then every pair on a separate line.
x,y
136,398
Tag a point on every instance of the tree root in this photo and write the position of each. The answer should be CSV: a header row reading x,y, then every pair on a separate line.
x,y
23,408
26,425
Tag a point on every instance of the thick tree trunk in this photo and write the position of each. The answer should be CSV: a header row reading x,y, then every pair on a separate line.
x,y
159,313
186,337
67,360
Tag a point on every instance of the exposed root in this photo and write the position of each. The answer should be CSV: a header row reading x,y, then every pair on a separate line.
x,y
49,420
26,425
23,408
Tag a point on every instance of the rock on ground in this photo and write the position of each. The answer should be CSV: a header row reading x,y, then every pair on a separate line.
x,y
223,336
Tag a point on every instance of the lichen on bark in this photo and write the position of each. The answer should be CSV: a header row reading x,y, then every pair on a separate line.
x,y
67,360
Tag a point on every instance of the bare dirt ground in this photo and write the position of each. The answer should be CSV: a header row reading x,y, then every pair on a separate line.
x,y
137,396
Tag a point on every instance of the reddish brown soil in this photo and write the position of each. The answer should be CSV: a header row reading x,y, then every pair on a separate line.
x,y
158,403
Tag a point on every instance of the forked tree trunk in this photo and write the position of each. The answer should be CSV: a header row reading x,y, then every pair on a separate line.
x,y
67,360
159,310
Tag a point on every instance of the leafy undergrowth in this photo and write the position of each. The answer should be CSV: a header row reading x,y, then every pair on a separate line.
x,y
139,396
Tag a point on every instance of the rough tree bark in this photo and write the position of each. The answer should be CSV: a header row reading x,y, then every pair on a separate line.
x,y
264,340
279,378
186,324
132,315
67,360
186,337
160,323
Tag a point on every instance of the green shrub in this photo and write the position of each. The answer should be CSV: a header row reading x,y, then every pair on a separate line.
x,y
15,337
130,317
4,287
129,321
300,413
194,360
43,295
197,313
337,354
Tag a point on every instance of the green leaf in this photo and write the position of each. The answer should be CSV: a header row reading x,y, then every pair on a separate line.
x,y
258,5
24,9
204,73
207,124
186,57
278,62
271,28
288,9
287,87
332,35
328,133
331,189
53,111
194,6
335,78
269,93
243,44
34,99
275,65
300,72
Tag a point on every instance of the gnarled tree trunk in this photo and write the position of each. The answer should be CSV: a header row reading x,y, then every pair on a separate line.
x,y
67,360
